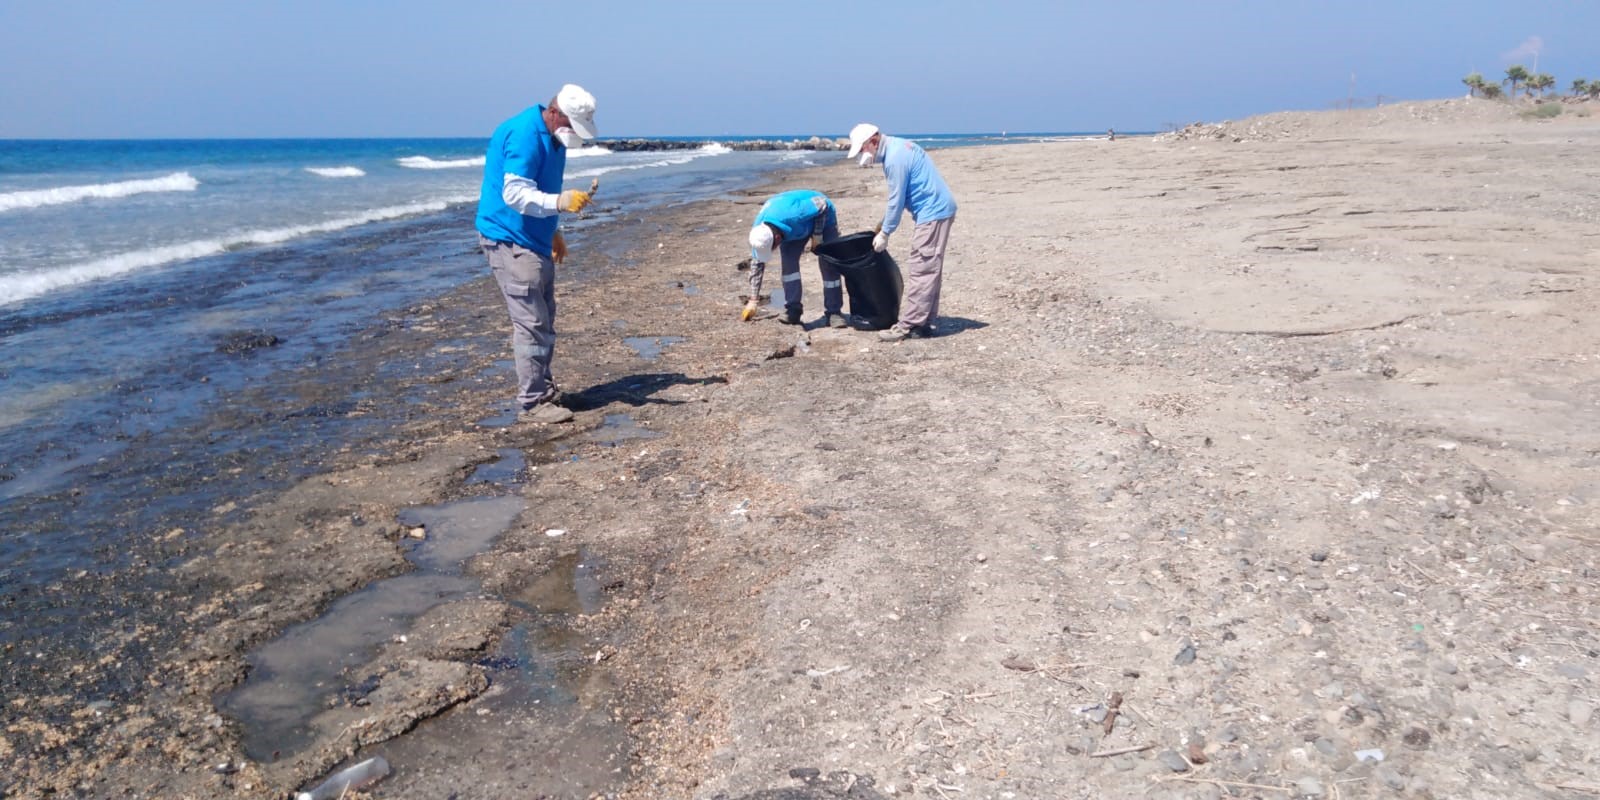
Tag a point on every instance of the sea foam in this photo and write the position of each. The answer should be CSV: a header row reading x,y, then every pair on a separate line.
x,y
337,172
423,162
22,286
583,152
34,198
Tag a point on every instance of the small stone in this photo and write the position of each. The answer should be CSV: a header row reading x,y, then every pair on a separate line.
x,y
1309,787
1325,746
1447,667
1579,713
1418,738
1319,556
982,557
1390,778
1575,671
804,773
418,532
1173,761
1185,654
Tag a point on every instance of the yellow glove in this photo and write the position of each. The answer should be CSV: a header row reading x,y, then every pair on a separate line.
x,y
558,248
572,201
749,311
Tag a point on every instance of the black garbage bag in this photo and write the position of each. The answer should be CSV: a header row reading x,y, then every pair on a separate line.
x,y
872,280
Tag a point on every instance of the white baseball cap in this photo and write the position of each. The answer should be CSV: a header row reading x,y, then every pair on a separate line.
x,y
578,105
859,136
761,242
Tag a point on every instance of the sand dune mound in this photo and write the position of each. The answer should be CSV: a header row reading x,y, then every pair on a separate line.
x,y
1304,125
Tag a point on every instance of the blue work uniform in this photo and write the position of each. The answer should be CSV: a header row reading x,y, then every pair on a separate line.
x,y
914,184
798,215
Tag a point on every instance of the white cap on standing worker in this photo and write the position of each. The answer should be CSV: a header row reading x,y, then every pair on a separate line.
x,y
761,242
578,105
859,136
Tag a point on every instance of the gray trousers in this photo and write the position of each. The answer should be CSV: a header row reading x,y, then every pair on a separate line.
x,y
925,273
528,281
789,256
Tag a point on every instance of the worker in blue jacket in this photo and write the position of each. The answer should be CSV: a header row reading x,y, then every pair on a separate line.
x,y
916,186
791,223
518,210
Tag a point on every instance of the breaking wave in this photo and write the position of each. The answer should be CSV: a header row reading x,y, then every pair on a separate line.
x,y
22,286
583,152
34,198
423,162
337,172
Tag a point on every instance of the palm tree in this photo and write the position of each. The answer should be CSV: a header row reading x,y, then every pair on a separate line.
x,y
1541,82
1580,87
1515,74
1491,90
1474,82
1594,90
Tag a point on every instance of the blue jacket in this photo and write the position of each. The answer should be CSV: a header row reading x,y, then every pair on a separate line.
x,y
797,214
521,146
914,184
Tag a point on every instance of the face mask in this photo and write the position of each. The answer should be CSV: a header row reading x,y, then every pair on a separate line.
x,y
867,158
569,138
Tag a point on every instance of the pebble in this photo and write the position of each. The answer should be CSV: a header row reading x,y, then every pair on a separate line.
x,y
1319,556
1447,667
982,557
1309,787
1185,654
1579,713
1390,778
1325,746
1173,761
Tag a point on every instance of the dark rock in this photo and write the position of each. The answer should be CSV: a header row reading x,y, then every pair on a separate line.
x,y
1185,655
240,342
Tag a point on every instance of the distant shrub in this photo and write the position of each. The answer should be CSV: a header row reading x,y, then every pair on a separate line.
x,y
1543,111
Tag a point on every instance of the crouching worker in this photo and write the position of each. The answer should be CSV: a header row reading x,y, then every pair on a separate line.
x,y
790,224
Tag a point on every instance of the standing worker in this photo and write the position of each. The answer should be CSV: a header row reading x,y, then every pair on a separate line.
x,y
791,223
915,186
518,211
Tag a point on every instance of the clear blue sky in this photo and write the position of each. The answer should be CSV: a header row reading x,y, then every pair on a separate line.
x,y
219,68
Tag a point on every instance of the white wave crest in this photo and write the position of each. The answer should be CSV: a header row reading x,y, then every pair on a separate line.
x,y
176,182
584,152
423,162
337,172
715,149
17,287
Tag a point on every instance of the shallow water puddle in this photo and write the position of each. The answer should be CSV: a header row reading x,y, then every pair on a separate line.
x,y
506,470
547,709
649,348
612,431
292,677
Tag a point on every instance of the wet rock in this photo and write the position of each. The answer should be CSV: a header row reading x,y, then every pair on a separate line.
x,y
240,342
805,773
1417,738
1319,556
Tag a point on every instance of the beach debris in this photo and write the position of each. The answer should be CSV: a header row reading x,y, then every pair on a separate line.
x,y
240,342
820,673
1114,710
1373,755
1122,751
603,654
418,532
740,510
554,532
347,780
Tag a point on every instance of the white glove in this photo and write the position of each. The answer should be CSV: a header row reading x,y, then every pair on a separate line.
x,y
880,242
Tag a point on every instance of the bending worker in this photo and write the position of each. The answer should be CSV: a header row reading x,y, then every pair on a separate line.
x,y
518,210
915,186
791,223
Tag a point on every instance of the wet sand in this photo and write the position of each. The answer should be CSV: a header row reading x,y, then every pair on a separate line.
x,y
1238,460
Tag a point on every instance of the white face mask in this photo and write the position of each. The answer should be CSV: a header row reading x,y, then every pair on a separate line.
x,y
569,138
867,158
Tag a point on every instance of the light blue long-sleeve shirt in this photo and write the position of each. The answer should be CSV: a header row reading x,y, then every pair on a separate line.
x,y
914,185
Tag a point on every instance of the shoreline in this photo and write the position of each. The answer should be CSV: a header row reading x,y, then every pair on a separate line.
x,y
1169,446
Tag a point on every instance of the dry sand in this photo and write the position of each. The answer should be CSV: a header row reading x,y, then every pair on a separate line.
x,y
1266,460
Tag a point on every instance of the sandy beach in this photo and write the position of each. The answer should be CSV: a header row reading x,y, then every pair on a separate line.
x,y
1258,460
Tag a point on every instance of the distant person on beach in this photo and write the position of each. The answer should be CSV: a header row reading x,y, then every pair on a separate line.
x,y
916,186
518,212
792,223
1111,134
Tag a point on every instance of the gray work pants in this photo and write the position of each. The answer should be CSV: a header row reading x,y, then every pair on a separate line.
x,y
925,273
528,281
789,257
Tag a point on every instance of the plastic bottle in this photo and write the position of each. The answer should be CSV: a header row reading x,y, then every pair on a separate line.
x,y
348,779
